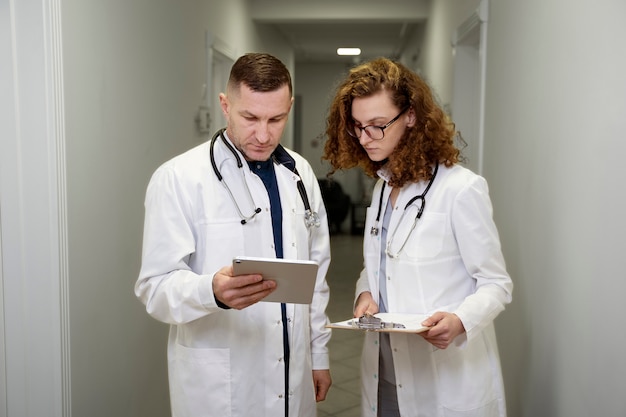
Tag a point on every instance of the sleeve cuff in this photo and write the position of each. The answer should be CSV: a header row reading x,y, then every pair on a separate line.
x,y
320,361
207,297
220,304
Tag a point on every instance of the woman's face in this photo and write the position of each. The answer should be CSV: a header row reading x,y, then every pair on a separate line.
x,y
378,110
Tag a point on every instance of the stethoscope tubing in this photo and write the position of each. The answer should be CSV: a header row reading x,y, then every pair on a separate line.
x,y
311,217
374,231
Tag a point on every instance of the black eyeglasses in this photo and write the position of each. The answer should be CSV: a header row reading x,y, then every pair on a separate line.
x,y
374,132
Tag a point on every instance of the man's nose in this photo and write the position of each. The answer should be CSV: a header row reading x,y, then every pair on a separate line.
x,y
263,133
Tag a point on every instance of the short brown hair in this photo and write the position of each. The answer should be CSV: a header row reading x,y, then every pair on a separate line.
x,y
260,72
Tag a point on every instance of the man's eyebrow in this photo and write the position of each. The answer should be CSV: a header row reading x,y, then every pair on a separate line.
x,y
247,113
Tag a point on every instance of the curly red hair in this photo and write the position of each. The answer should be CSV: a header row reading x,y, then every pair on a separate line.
x,y
429,141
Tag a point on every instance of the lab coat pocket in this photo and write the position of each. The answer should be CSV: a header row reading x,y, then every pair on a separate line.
x,y
200,382
426,239
465,381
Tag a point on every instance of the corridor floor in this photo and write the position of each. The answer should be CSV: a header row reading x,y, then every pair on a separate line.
x,y
344,398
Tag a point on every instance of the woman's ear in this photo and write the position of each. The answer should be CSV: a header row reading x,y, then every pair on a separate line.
x,y
411,117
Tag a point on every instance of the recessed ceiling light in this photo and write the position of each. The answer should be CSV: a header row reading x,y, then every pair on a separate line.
x,y
348,51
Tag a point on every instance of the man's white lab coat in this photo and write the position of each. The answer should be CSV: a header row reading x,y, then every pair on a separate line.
x,y
229,363
451,262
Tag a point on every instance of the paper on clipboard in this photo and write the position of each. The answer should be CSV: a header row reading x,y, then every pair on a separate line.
x,y
295,279
411,323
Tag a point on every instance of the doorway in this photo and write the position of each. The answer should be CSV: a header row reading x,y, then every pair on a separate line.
x,y
470,49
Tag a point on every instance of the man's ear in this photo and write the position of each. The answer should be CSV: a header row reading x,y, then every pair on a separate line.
x,y
224,104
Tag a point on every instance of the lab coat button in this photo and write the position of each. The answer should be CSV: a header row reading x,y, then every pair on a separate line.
x,y
399,385
280,395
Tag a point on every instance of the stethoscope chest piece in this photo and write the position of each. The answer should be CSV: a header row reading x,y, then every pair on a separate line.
x,y
311,219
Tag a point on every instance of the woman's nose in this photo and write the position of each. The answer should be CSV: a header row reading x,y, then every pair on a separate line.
x,y
364,137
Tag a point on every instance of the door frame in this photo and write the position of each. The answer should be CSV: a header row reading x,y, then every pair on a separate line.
x,y
469,42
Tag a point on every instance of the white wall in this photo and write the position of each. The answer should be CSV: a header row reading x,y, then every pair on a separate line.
x,y
554,145
132,79
133,76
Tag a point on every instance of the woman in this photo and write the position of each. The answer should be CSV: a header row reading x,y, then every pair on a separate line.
x,y
430,248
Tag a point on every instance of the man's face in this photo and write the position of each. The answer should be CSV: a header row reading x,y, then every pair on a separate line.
x,y
256,120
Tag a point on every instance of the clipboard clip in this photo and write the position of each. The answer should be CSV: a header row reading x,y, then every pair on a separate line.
x,y
368,322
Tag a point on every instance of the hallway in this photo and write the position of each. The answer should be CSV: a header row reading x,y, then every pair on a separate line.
x,y
344,397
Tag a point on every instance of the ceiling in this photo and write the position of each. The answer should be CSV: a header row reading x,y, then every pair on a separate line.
x,y
316,28
318,42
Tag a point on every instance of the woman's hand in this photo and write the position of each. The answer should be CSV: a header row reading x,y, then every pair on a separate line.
x,y
365,305
444,328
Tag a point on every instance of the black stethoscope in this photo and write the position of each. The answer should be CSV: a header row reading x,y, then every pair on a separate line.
x,y
422,197
311,218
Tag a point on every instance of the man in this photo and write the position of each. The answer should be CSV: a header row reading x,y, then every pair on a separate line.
x,y
228,353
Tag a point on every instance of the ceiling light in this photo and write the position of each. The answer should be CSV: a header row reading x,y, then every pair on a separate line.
x,y
348,51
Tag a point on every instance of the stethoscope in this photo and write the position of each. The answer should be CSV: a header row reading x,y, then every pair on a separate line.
x,y
311,218
422,197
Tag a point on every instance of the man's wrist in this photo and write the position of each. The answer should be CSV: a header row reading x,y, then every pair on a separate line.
x,y
220,304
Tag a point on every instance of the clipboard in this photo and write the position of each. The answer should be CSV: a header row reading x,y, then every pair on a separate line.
x,y
295,278
411,323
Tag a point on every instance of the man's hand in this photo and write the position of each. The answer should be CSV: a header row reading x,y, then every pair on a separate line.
x,y
444,328
321,383
365,305
240,291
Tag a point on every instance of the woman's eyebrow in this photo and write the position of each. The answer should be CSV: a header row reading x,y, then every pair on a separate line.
x,y
372,121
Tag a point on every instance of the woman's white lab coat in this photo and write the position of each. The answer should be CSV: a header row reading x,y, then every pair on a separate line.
x,y
229,363
452,262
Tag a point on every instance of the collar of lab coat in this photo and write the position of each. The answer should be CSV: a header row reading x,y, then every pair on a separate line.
x,y
280,155
384,173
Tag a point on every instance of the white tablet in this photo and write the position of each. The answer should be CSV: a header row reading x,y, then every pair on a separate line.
x,y
295,279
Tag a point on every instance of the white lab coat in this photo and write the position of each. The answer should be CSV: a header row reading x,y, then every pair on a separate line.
x,y
229,363
452,262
